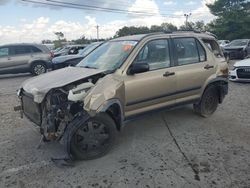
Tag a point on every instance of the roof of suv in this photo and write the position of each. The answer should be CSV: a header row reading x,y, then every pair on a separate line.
x,y
40,46
22,44
138,37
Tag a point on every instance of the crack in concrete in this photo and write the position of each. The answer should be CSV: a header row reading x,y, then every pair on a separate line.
x,y
192,166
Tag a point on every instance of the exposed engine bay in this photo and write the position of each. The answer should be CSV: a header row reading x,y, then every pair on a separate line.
x,y
61,106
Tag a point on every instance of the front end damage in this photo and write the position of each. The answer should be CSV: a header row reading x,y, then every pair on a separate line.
x,y
61,106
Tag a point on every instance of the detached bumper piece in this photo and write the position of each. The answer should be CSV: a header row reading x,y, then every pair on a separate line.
x,y
31,109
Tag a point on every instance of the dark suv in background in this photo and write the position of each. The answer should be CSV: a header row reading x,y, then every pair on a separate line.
x,y
21,58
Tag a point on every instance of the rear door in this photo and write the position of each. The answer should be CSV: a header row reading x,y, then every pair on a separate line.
x,y
193,68
20,55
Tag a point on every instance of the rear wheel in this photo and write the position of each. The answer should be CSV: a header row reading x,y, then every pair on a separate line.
x,y
93,138
208,103
38,68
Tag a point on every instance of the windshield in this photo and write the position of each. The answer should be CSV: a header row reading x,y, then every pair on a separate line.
x,y
108,56
89,49
238,43
64,49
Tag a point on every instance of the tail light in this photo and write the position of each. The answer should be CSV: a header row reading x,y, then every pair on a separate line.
x,y
51,54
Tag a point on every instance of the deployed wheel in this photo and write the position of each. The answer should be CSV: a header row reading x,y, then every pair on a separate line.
x,y
38,68
208,103
92,138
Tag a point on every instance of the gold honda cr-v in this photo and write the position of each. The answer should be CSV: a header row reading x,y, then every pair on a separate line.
x,y
123,78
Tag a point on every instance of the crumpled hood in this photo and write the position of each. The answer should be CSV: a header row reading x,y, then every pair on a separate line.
x,y
64,58
243,63
40,85
233,47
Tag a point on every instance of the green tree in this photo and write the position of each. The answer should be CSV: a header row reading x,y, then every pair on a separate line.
x,y
59,35
233,19
168,27
132,31
156,28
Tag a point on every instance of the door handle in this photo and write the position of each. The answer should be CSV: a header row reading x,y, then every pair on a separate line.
x,y
208,66
166,74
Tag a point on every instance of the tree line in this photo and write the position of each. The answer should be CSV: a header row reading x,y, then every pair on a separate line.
x,y
232,22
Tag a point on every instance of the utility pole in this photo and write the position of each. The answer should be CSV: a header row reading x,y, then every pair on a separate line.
x,y
187,16
97,32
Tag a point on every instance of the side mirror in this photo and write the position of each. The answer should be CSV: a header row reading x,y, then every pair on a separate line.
x,y
138,68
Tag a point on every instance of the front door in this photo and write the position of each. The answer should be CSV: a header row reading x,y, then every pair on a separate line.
x,y
155,88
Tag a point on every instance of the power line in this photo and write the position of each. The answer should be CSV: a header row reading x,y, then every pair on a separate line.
x,y
122,4
96,8
109,9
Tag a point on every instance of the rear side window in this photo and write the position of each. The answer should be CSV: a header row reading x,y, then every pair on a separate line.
x,y
186,50
4,51
21,50
214,47
35,49
156,54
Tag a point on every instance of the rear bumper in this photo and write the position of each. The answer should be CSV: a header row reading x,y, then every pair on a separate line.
x,y
234,54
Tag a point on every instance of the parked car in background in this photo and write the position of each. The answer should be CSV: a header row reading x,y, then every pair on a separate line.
x,y
223,43
56,50
69,50
241,71
72,60
237,49
123,78
20,58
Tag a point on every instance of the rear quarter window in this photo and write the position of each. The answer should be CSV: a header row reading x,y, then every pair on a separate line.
x,y
214,47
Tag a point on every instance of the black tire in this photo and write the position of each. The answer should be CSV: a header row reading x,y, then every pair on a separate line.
x,y
91,138
38,68
208,103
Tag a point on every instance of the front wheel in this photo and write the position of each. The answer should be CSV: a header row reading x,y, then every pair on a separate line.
x,y
38,68
92,138
208,103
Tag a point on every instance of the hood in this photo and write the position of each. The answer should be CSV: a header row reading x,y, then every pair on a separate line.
x,y
233,47
64,58
40,85
243,63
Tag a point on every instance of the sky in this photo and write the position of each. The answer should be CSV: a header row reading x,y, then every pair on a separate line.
x,y
28,22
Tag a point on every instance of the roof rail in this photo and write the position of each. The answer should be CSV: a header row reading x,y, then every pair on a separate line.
x,y
188,30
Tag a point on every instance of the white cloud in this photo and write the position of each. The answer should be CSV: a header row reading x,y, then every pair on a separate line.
x,y
169,2
43,28
191,3
148,6
203,13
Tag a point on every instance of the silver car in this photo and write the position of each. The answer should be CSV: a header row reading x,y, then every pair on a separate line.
x,y
20,58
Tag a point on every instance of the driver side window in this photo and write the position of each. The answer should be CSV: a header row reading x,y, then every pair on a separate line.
x,y
156,54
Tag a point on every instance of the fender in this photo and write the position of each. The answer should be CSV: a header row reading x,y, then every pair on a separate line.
x,y
107,104
221,83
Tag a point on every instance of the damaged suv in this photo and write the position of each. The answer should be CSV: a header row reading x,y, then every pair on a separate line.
x,y
84,106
